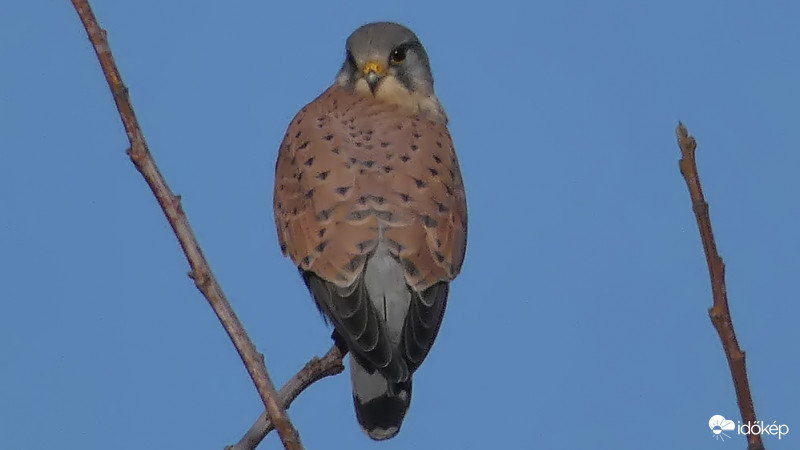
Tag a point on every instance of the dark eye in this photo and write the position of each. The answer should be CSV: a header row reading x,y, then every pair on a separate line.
x,y
398,55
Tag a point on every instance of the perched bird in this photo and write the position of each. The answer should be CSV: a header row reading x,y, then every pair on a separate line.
x,y
370,205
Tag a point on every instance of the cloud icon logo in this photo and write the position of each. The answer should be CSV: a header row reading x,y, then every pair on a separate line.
x,y
719,425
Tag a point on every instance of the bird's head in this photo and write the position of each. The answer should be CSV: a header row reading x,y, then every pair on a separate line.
x,y
386,61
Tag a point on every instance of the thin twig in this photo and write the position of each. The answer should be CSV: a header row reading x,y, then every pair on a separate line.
x,y
171,205
719,313
314,370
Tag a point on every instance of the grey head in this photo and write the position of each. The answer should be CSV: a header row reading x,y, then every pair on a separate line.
x,y
387,61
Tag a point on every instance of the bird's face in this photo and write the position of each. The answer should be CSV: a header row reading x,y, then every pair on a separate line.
x,y
386,61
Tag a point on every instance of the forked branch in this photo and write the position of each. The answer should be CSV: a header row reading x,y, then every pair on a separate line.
x,y
719,313
314,370
171,205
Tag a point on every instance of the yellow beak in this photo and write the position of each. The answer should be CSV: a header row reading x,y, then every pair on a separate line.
x,y
374,67
373,73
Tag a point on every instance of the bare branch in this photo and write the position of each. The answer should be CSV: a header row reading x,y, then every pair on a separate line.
x,y
313,371
719,313
171,205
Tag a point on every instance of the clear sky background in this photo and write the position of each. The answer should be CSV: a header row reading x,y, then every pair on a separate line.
x,y
579,320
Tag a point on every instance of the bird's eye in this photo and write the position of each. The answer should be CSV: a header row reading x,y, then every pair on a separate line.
x,y
398,55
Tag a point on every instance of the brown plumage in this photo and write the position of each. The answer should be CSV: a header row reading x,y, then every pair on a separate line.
x,y
370,205
348,162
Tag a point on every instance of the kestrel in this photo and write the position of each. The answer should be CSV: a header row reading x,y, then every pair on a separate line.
x,y
370,205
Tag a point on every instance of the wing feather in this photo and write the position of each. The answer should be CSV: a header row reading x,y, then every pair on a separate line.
x,y
350,172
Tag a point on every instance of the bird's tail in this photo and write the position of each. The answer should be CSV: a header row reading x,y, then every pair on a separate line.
x,y
380,404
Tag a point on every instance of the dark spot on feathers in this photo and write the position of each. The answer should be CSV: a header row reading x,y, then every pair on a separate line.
x,y
321,247
343,190
355,263
283,247
335,150
362,200
323,175
325,214
416,135
309,162
414,147
384,144
437,159
357,215
441,207
303,145
448,189
368,164
405,158
438,243
433,171
439,144
398,247
388,169
322,231
328,137
439,256
305,261
310,193
420,184
404,197
429,221
409,267
384,215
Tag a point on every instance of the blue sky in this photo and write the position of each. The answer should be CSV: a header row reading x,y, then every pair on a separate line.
x,y
579,320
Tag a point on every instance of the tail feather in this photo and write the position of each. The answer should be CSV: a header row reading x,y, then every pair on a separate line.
x,y
380,404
